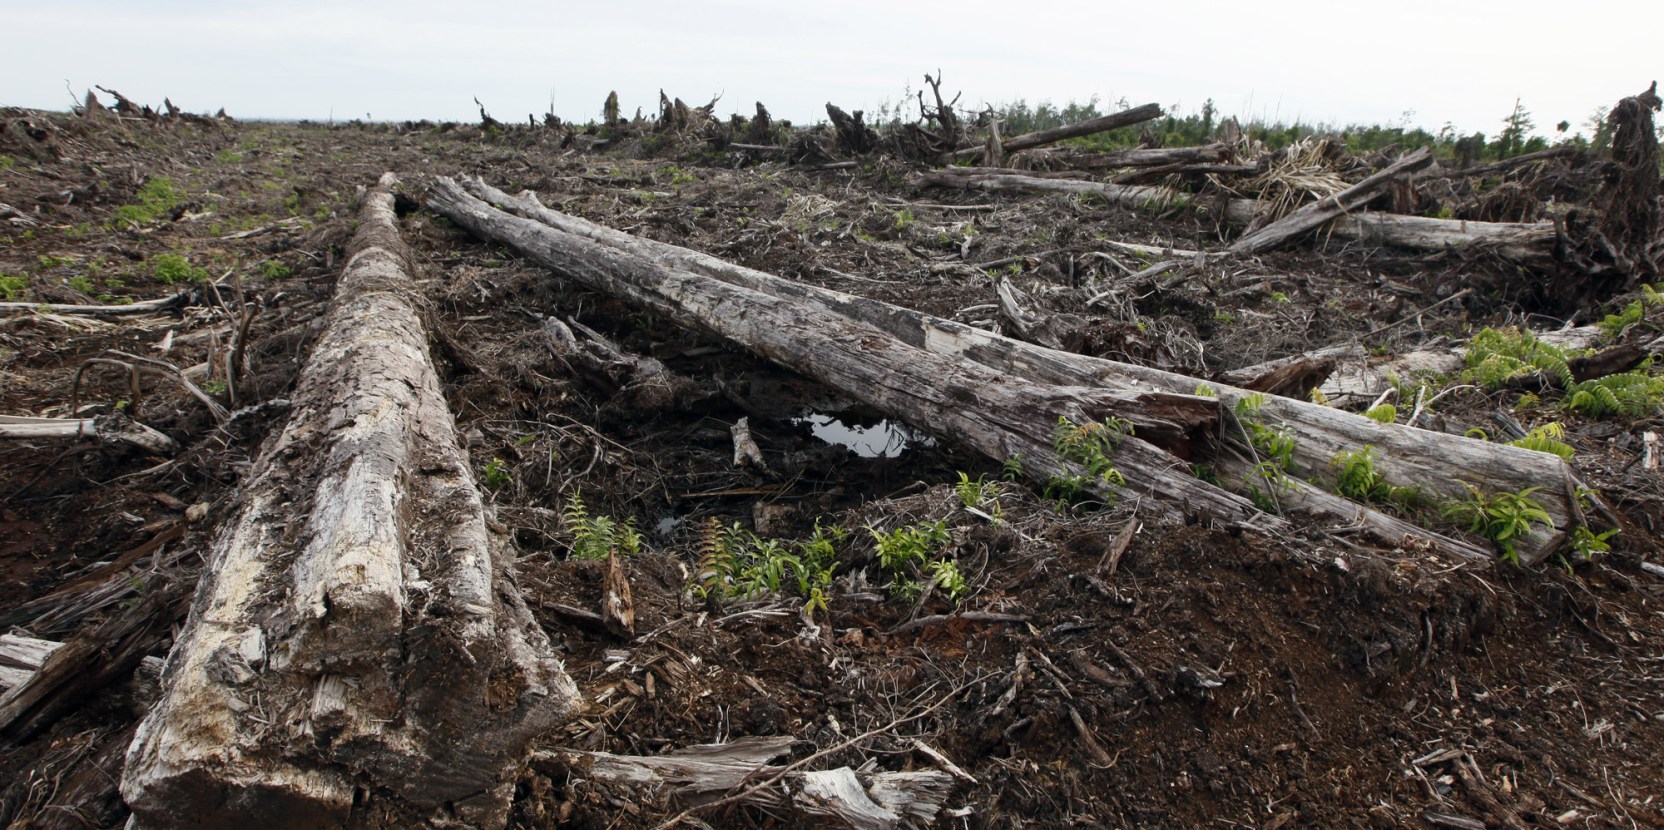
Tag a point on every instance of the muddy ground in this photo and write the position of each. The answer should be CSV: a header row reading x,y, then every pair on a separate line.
x,y
1209,677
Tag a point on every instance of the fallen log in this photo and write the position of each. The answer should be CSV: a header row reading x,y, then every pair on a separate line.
x,y
1410,457
358,633
977,406
114,429
1091,126
1153,157
1524,242
1313,214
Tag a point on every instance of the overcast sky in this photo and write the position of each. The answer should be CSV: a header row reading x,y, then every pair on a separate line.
x,y
1331,61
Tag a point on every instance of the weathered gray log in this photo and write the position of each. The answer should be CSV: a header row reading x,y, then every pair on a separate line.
x,y
1410,457
701,774
1525,242
21,657
112,430
1313,214
358,632
1153,157
1091,126
977,407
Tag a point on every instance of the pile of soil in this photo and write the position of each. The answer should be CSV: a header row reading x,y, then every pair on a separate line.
x,y
1202,676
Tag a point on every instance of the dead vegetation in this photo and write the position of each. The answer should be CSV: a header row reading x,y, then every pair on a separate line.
x,y
744,474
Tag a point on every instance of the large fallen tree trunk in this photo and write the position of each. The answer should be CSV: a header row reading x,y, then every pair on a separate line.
x,y
358,634
1522,242
1409,457
1091,126
977,406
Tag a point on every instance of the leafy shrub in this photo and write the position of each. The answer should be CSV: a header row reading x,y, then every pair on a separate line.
x,y
1501,517
12,287
173,269
156,197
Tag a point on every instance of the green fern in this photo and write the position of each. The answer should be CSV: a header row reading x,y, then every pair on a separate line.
x,y
1635,394
598,537
1546,438
1496,358
1635,312
1385,413
1502,517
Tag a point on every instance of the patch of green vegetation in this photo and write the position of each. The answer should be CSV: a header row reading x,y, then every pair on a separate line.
x,y
1496,358
1276,444
214,387
1502,517
1634,394
1635,312
82,284
12,288
1546,438
1385,413
1089,444
598,537
974,494
7,162
735,564
228,156
272,269
174,268
47,262
904,219
495,475
156,197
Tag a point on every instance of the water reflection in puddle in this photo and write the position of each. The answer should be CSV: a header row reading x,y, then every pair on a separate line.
x,y
885,439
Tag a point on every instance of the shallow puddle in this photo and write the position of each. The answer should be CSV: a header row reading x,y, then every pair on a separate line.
x,y
885,439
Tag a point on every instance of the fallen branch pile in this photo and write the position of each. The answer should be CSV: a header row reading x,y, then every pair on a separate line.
x,y
862,347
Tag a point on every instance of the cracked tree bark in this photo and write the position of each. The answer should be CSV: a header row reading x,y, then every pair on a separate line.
x,y
358,636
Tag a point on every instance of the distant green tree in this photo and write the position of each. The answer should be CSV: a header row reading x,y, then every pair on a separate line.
x,y
1516,130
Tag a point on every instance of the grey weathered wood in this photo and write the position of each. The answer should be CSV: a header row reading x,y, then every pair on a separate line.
x,y
1091,126
116,430
1524,242
1312,214
21,657
1409,457
358,629
702,774
981,408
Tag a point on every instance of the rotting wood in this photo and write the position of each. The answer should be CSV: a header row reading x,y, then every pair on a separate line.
x,y
981,408
114,429
702,774
1409,457
1091,126
358,629
1153,157
21,657
1523,242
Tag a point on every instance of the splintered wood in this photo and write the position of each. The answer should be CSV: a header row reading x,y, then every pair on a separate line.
x,y
359,633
